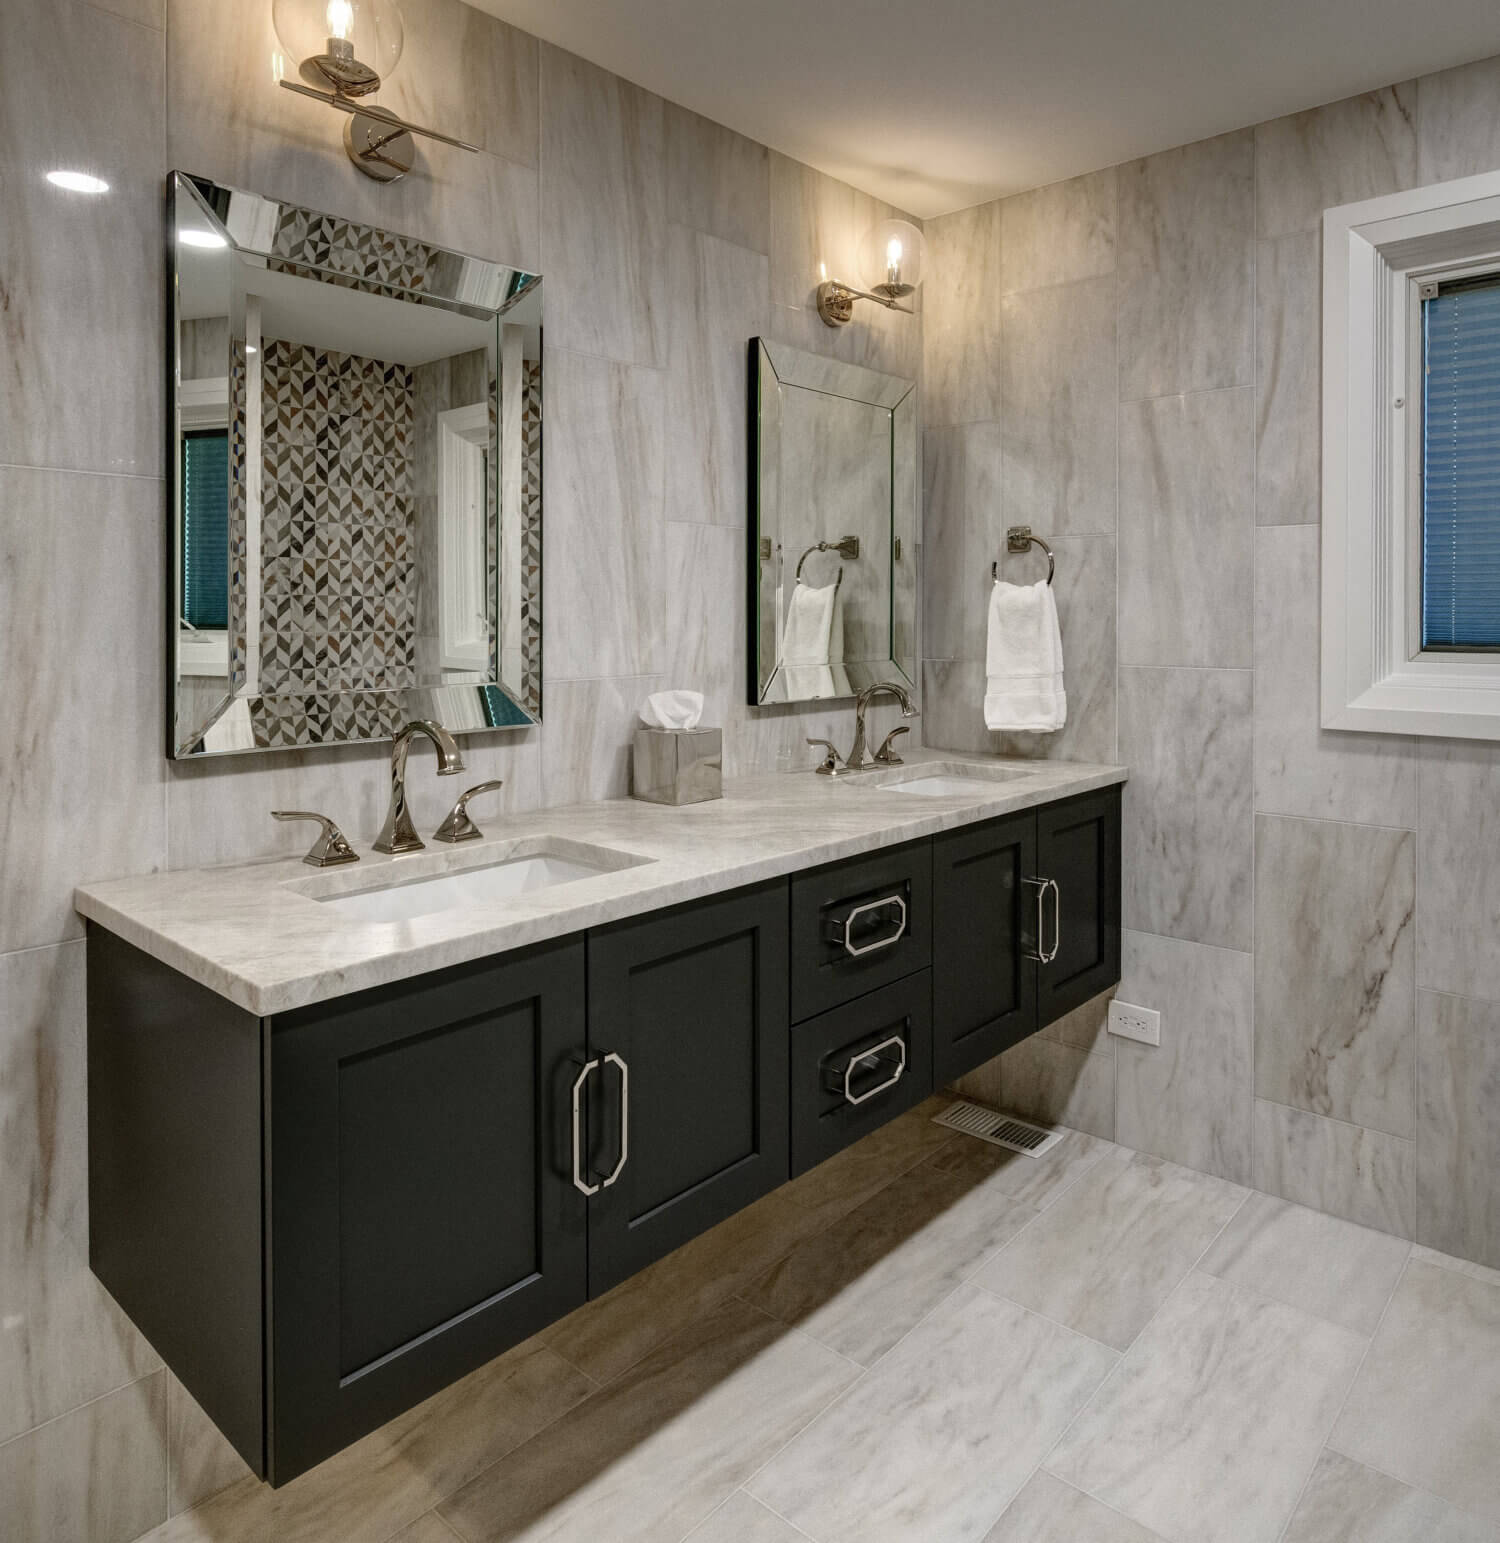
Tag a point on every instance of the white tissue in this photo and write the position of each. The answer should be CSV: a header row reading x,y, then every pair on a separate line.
x,y
672,710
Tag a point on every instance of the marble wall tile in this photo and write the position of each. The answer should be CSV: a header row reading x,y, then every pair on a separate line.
x,y
658,1451
962,533
1178,1440
1188,846
148,13
64,1341
96,1475
1060,233
816,225
1335,956
586,750
1187,530
200,1461
1106,1256
1362,1175
1350,150
1288,379
1085,587
1458,1134
1185,260
1458,122
605,530
1058,388
81,692
1049,1511
1345,1502
717,300
80,90
718,182
43,1076
1458,885
961,327
1086,1027
230,121
1317,1263
877,339
1300,767
706,628
1009,1381
1189,1098
1425,1408
604,208
1056,1084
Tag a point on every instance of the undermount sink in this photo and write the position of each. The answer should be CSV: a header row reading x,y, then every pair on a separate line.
x,y
521,872
945,779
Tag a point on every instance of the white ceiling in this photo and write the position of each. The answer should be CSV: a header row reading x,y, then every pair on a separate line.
x,y
939,105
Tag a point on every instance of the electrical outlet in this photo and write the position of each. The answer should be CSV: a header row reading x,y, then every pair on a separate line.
x,y
1141,1023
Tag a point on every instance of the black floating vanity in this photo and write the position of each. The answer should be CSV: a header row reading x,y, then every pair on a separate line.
x,y
321,1216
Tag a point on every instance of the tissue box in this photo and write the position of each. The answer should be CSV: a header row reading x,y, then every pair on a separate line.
x,y
678,766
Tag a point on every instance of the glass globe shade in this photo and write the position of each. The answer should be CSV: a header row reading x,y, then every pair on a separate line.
x,y
350,45
891,258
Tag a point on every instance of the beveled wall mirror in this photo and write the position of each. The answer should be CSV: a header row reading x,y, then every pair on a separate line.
x,y
833,550
356,494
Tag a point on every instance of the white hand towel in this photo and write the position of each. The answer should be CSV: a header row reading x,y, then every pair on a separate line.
x,y
1024,663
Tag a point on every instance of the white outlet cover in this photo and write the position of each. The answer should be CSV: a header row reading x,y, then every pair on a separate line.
x,y
1138,1023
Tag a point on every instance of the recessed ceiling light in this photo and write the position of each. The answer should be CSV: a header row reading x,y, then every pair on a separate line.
x,y
192,236
77,182
250,348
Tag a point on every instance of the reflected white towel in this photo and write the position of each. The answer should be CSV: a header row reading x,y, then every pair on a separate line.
x,y
813,641
1024,662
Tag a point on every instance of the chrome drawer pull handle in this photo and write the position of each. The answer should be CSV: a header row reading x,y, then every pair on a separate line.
x,y
579,1183
619,1167
854,950
895,1042
1042,954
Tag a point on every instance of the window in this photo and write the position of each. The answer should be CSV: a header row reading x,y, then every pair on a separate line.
x,y
1461,463
1411,462
205,529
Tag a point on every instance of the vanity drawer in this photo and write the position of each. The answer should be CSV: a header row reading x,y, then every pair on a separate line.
x,y
858,1066
860,925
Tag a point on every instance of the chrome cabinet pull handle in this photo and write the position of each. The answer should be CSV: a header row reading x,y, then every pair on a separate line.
x,y
619,1167
579,1182
1042,954
1041,896
845,934
895,1042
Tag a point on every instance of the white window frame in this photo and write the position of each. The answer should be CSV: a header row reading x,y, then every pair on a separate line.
x,y
1376,677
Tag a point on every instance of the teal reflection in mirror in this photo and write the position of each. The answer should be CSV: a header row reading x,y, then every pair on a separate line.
x,y
833,591
356,500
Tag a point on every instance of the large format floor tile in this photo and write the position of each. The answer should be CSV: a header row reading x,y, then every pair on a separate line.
x,y
1035,1181
1209,1426
1328,1267
1345,1502
1049,1511
936,1440
743,1520
1110,1252
867,1280
1426,1407
655,1453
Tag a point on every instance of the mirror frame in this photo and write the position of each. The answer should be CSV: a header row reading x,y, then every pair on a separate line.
x,y
309,243
784,365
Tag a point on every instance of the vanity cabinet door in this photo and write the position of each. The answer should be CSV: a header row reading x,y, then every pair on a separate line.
x,y
422,1217
983,935
1078,848
685,1116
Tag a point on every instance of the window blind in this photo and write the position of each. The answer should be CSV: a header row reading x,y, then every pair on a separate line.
x,y
205,529
1461,466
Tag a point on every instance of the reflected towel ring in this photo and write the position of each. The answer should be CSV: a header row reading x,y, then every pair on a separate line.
x,y
848,547
1019,539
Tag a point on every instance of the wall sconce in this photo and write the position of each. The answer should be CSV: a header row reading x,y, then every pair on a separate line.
x,y
890,260
344,47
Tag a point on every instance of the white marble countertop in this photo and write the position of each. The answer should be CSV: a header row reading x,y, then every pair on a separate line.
x,y
256,934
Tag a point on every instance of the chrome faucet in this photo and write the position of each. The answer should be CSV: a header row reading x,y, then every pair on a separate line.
x,y
855,760
398,834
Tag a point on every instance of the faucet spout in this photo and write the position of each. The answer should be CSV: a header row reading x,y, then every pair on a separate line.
x,y
398,834
856,758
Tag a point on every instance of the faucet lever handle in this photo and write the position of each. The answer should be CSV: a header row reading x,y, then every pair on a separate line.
x,y
332,846
830,761
458,826
886,755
